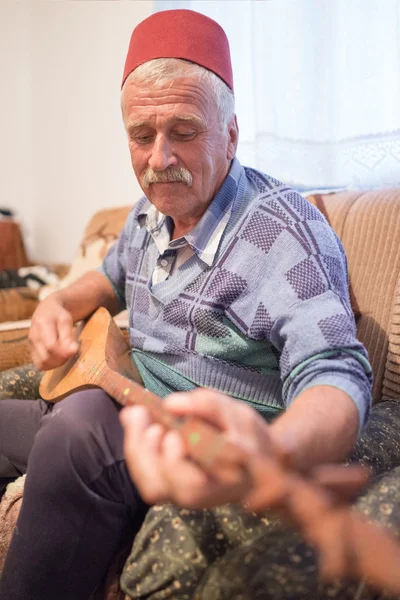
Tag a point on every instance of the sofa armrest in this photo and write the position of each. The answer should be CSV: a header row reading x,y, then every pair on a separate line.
x,y
17,304
14,348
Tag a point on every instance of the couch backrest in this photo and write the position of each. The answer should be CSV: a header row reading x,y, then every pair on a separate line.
x,y
368,223
100,234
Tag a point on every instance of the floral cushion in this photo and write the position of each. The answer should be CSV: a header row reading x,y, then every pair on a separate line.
x,y
21,382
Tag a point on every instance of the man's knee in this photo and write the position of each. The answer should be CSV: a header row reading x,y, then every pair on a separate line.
x,y
82,433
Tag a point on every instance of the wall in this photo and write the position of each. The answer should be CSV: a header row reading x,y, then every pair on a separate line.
x,y
16,169
68,89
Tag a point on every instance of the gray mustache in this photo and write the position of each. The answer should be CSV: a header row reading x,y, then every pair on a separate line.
x,y
169,175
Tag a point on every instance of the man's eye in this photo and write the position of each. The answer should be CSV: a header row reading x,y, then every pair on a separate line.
x,y
142,139
188,135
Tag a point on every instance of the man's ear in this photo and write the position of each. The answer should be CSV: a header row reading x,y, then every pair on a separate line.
x,y
233,132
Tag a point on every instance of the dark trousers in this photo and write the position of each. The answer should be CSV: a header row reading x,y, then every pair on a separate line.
x,y
79,502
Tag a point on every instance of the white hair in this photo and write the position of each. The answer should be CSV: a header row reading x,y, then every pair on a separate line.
x,y
160,71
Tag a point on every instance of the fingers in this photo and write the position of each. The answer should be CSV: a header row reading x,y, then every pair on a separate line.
x,y
189,485
203,403
142,444
66,337
241,424
157,460
51,339
177,470
161,470
343,482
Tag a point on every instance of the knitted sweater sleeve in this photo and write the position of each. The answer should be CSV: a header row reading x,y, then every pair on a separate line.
x,y
297,297
318,345
115,263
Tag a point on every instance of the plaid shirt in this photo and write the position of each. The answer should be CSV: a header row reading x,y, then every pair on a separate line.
x,y
203,240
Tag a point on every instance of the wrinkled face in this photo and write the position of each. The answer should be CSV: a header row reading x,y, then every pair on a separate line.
x,y
174,133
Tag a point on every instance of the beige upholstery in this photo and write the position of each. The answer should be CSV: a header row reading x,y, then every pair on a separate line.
x,y
369,226
391,381
100,234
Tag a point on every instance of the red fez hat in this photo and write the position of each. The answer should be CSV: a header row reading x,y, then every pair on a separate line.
x,y
184,34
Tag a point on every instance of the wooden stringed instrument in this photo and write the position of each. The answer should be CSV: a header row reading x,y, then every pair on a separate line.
x,y
315,503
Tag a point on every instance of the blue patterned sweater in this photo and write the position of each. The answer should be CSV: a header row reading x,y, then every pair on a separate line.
x,y
263,318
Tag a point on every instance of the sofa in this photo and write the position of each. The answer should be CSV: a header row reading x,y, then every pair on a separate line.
x,y
368,223
18,304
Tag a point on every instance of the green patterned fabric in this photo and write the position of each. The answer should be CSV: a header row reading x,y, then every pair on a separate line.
x,y
224,554
20,382
379,444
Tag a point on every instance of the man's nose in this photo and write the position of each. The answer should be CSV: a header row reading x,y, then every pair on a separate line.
x,y
162,155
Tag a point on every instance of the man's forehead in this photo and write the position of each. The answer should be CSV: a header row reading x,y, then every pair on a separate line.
x,y
182,99
186,88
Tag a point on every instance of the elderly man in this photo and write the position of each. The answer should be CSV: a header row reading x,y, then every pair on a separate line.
x,y
232,282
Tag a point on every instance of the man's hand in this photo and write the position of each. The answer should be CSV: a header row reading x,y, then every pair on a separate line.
x,y
51,335
320,426
157,460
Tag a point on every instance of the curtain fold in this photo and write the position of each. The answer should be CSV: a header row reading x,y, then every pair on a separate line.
x,y
317,86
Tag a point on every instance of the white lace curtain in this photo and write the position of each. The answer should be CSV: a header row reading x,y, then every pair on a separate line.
x,y
317,86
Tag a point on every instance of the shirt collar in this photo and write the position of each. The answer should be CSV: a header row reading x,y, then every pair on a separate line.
x,y
205,237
